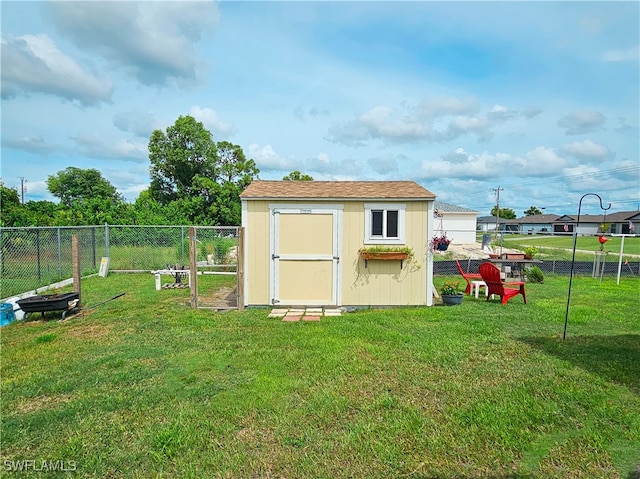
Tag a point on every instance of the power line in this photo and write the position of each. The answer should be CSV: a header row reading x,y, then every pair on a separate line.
x,y
620,170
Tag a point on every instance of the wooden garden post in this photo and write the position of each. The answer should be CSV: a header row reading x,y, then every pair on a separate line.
x,y
75,260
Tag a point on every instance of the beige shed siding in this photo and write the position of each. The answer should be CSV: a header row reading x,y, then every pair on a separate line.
x,y
257,252
383,282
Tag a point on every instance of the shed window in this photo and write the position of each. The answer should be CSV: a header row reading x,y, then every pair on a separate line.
x,y
384,223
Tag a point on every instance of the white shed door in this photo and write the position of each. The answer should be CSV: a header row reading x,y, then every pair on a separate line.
x,y
305,256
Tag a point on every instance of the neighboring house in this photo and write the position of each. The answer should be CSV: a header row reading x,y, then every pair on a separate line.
x,y
533,224
458,222
620,222
302,242
488,224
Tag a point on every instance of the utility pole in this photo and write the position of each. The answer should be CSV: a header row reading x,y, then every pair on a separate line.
x,y
23,188
497,191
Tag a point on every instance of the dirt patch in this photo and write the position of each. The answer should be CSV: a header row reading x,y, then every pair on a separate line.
x,y
28,405
89,331
223,297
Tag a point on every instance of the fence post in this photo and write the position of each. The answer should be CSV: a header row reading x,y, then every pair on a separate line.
x,y
75,260
38,252
59,254
106,240
193,271
93,245
182,244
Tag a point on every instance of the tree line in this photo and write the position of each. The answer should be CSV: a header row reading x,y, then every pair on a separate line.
x,y
194,180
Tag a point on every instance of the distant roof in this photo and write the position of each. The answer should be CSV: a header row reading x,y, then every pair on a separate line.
x,y
618,217
337,189
442,206
536,219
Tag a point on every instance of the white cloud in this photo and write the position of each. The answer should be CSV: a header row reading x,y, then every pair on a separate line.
x,y
140,123
37,189
583,177
381,122
540,161
212,122
443,106
321,163
531,112
629,55
267,159
383,164
437,120
580,122
587,149
99,147
32,144
155,41
34,64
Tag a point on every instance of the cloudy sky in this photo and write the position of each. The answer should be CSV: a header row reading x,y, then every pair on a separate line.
x,y
538,99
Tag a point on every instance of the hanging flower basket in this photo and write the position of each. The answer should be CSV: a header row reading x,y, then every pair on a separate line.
x,y
440,243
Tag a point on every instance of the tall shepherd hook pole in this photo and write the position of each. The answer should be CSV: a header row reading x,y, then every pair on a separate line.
x,y
573,258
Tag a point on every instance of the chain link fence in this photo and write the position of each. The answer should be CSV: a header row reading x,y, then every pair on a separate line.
x,y
562,267
32,258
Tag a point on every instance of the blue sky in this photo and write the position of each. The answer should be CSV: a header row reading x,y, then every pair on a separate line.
x,y
540,99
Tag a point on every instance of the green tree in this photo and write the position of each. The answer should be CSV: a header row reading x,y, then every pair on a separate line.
x,y
86,198
202,177
186,151
74,185
505,213
11,211
149,211
532,211
41,213
297,176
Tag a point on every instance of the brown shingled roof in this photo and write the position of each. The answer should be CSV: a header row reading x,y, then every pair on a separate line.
x,y
336,189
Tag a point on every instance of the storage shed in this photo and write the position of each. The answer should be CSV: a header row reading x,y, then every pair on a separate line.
x,y
303,242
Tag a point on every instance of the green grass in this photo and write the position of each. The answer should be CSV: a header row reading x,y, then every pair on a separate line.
x,y
143,387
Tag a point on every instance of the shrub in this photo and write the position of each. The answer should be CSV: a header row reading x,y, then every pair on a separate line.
x,y
534,274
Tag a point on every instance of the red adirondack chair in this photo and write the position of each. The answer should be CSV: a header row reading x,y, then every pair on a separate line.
x,y
491,275
467,277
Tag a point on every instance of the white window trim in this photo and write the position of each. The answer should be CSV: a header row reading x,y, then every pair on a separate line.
x,y
369,239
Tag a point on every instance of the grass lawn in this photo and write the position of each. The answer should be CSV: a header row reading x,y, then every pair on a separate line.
x,y
145,387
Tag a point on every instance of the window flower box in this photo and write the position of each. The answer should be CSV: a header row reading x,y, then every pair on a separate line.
x,y
382,253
